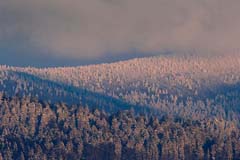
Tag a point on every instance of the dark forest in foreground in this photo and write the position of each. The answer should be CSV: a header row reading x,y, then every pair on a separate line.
x,y
30,129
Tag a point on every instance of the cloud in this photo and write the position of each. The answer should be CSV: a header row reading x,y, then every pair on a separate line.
x,y
91,29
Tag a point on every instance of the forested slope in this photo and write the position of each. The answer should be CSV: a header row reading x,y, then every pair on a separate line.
x,y
22,84
162,107
30,129
197,87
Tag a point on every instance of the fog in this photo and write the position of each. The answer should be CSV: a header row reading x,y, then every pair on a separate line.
x,y
76,32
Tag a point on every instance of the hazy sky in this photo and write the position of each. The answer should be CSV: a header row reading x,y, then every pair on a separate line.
x,y
72,32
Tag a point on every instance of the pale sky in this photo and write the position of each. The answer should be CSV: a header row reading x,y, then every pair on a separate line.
x,y
75,32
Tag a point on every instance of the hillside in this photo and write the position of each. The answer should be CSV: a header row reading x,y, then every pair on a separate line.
x,y
30,129
196,87
164,107
13,83
178,75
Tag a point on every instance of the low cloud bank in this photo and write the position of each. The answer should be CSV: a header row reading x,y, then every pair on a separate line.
x,y
94,29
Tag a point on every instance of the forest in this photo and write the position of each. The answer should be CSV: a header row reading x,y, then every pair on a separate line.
x,y
193,87
163,107
30,129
